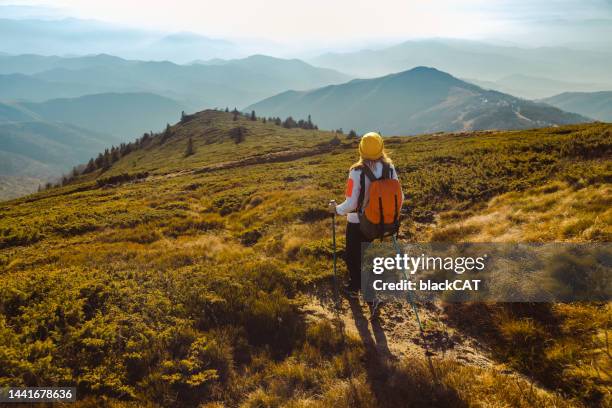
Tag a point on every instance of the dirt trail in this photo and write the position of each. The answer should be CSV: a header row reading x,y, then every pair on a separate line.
x,y
264,158
395,333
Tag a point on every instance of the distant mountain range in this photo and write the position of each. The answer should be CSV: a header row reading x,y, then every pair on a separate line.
x,y
419,100
596,105
531,87
229,83
485,61
100,100
72,36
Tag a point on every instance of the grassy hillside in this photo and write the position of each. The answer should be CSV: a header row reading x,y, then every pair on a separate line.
x,y
181,280
421,100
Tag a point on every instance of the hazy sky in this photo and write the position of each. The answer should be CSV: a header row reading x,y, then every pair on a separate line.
x,y
346,21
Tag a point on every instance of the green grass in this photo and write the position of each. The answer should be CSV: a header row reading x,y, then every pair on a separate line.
x,y
183,286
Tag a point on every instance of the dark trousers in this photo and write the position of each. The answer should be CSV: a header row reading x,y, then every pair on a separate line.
x,y
352,254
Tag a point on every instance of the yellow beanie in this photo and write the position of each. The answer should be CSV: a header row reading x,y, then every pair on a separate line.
x,y
371,146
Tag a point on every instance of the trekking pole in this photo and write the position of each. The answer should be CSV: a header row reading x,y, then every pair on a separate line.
x,y
416,314
410,299
336,300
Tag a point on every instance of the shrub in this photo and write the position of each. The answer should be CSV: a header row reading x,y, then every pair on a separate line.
x,y
274,321
250,237
314,214
10,237
193,225
238,134
120,179
227,204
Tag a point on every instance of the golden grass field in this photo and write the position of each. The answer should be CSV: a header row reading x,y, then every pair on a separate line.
x,y
168,280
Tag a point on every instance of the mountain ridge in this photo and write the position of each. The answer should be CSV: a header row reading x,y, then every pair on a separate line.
x,y
474,59
419,100
233,83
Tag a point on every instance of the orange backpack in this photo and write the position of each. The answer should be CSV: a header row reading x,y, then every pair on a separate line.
x,y
380,217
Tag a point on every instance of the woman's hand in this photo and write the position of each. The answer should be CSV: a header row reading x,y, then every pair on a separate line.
x,y
331,207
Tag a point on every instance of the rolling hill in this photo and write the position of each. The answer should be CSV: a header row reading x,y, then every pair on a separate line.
x,y
35,152
596,105
24,87
40,141
206,279
125,116
420,100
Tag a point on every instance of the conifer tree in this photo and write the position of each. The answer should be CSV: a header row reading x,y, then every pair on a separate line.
x,y
99,161
289,123
106,163
91,166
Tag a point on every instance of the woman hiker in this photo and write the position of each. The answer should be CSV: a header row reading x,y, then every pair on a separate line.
x,y
373,164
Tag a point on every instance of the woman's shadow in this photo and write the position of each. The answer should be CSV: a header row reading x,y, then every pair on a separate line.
x,y
377,344
380,366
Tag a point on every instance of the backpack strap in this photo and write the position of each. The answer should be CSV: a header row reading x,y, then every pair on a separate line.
x,y
396,215
365,172
382,219
386,172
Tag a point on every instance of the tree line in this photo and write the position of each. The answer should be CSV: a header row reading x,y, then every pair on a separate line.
x,y
288,123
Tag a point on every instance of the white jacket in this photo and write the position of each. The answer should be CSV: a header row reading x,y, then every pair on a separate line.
x,y
353,187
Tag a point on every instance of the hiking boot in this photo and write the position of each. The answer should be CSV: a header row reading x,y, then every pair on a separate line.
x,y
374,307
351,293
